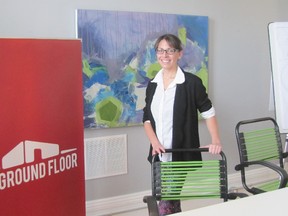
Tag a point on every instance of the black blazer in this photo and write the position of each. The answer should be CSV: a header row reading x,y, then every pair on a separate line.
x,y
190,97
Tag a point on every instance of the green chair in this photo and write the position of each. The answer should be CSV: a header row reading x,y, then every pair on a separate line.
x,y
259,145
183,180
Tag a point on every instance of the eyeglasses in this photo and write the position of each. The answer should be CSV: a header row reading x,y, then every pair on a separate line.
x,y
169,51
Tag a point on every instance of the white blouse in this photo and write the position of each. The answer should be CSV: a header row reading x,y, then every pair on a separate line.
x,y
162,110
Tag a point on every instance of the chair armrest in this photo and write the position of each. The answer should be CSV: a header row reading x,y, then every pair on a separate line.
x,y
239,167
235,195
282,172
152,205
285,154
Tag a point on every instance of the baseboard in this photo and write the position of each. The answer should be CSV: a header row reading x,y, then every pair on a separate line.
x,y
130,202
116,204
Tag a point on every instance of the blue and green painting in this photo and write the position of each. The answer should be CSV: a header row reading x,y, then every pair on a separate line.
x,y
119,59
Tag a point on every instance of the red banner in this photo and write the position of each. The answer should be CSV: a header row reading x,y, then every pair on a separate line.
x,y
41,130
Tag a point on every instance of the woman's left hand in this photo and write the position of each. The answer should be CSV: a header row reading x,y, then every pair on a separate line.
x,y
214,148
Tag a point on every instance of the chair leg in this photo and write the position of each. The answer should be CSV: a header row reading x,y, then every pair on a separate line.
x,y
152,205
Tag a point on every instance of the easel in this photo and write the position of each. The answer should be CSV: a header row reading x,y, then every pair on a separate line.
x,y
285,150
278,38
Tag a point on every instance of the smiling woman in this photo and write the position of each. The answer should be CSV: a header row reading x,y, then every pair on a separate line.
x,y
173,99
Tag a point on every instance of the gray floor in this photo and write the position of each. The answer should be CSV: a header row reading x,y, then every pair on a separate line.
x,y
186,205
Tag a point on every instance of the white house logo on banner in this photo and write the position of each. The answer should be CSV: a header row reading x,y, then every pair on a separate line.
x,y
18,167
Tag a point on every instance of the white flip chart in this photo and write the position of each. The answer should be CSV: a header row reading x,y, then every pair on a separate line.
x,y
278,41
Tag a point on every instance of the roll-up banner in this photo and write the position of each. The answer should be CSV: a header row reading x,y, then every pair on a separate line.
x,y
41,129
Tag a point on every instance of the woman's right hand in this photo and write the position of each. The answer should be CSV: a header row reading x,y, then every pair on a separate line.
x,y
157,148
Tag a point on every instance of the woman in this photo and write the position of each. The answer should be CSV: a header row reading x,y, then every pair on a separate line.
x,y
173,99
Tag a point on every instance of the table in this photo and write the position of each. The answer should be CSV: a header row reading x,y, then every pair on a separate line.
x,y
269,203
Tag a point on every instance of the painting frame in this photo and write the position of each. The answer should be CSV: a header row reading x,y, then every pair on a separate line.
x,y
118,60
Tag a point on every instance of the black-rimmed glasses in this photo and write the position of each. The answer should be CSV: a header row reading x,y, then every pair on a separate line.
x,y
169,51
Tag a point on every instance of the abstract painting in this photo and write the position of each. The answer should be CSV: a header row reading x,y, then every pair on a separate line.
x,y
118,60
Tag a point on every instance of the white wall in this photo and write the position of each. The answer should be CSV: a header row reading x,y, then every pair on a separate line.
x,y
239,65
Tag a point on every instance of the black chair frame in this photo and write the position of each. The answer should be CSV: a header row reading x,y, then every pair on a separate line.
x,y
260,147
189,179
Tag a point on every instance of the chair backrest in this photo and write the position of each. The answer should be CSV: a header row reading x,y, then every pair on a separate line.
x,y
259,140
181,180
